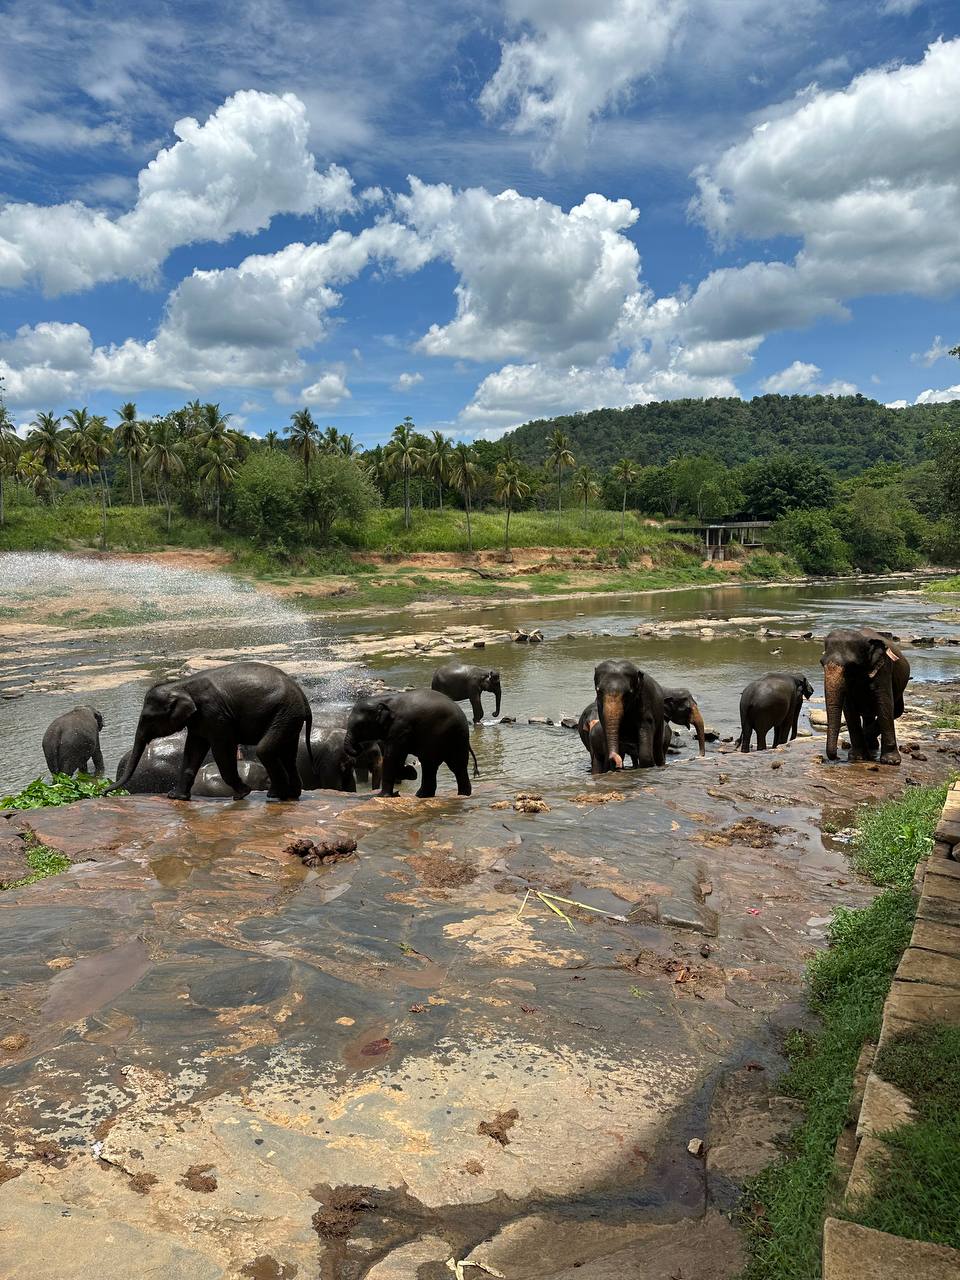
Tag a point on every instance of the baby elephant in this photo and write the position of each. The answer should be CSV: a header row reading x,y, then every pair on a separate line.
x,y
460,682
772,702
72,740
425,724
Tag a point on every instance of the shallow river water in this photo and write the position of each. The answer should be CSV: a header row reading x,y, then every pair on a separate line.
x,y
188,615
490,1034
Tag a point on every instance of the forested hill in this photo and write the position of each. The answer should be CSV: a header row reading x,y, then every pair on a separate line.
x,y
847,433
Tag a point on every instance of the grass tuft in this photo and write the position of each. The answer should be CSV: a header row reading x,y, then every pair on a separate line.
x,y
895,836
42,861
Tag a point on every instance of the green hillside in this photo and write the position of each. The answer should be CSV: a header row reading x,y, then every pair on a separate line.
x,y
847,433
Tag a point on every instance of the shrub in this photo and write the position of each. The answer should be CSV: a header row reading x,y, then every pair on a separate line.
x,y
338,490
811,540
267,499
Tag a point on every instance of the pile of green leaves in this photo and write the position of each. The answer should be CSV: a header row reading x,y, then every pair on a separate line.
x,y
62,790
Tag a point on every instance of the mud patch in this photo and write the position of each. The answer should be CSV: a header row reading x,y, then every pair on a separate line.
x,y
340,1210
439,871
753,832
199,1178
142,1182
599,797
499,1127
264,1267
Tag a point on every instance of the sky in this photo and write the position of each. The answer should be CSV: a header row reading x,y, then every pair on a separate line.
x,y
475,213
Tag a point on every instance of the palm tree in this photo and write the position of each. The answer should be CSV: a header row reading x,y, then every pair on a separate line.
x,y
304,435
437,461
163,458
271,439
559,456
78,443
464,473
378,468
330,440
32,472
216,469
510,489
99,446
47,442
130,438
212,426
404,458
9,452
346,445
585,487
625,474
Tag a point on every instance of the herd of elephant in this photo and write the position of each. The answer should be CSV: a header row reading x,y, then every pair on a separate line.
x,y
248,725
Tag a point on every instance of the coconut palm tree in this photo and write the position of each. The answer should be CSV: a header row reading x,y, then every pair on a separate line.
x,y
378,468
164,460
33,474
330,440
464,474
559,456
510,489
304,437
130,438
212,427
346,445
9,452
48,443
99,448
217,469
437,461
404,457
625,473
271,439
78,443
585,487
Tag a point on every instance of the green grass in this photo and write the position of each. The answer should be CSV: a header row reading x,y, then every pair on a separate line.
x,y
73,525
893,837
785,1206
948,715
42,861
917,1191
947,585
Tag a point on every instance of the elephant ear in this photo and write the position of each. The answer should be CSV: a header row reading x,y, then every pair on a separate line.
x,y
99,719
636,681
383,714
180,707
877,651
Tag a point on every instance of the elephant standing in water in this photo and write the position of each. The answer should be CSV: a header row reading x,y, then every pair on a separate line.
x,y
220,709
461,682
425,724
864,676
72,740
625,720
772,702
680,707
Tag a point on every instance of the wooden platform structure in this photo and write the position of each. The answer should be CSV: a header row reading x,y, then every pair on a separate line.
x,y
716,538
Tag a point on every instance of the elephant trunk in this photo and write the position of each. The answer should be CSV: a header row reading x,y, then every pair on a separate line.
x,y
496,710
696,719
834,687
140,744
613,714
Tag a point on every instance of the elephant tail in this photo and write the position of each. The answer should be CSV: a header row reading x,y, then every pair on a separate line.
x,y
476,767
307,731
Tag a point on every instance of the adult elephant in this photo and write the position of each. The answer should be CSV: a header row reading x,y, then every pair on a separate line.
x,y
210,784
425,724
158,769
626,719
73,740
680,707
460,682
220,709
328,766
864,676
772,702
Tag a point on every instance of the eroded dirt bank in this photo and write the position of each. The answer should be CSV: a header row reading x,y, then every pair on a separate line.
x,y
220,1063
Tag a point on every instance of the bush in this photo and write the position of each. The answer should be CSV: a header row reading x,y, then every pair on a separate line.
x,y
871,529
810,538
267,499
338,490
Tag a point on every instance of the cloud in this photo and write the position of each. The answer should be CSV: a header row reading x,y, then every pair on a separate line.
x,y
231,175
803,379
57,133
943,396
533,280
407,381
900,6
328,390
937,350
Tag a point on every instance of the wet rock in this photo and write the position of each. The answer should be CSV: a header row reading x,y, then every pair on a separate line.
x,y
536,636
508,719
695,1146
569,723
340,1210
405,1262
477,644
520,637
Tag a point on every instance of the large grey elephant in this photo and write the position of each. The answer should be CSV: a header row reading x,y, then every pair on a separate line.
x,y
680,707
220,709
73,740
772,702
210,784
425,724
328,766
625,720
864,676
158,769
461,682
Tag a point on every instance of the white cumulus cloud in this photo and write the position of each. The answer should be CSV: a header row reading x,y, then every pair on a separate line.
x,y
231,175
407,381
328,390
803,379
937,350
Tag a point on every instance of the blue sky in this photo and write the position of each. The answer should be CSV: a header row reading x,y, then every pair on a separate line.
x,y
476,214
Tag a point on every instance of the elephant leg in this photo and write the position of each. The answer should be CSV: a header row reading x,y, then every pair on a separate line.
x,y
477,706
428,778
858,745
761,738
277,752
194,749
461,771
889,753
394,760
745,731
659,746
225,758
98,768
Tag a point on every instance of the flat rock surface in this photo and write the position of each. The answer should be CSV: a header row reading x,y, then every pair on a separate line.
x,y
851,1252
224,1063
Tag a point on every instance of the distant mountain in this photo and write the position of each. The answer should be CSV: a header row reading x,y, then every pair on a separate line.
x,y
848,433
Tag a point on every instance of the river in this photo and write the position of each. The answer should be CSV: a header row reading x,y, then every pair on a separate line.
x,y
171,616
